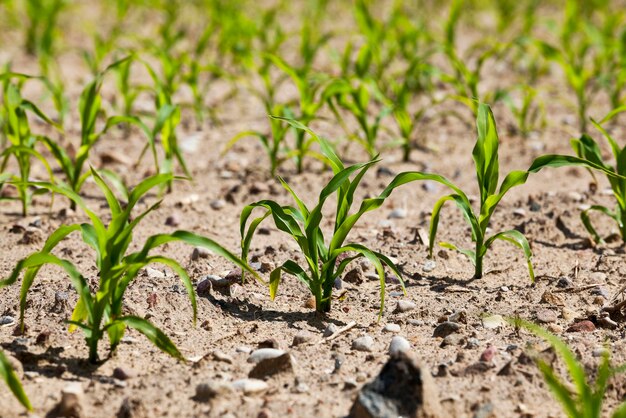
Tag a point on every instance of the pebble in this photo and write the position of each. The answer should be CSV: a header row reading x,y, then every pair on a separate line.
x,y
493,321
416,322
172,220
575,197
564,283
243,349
7,320
271,366
554,328
123,374
600,351
264,354
546,316
250,386
199,252
217,204
330,330
354,276
206,391
338,284
472,343
582,326
154,273
398,213
302,337
391,328
453,340
597,276
398,345
458,317
519,212
446,328
489,353
600,291
364,343
405,306
221,356
429,265
71,398
310,303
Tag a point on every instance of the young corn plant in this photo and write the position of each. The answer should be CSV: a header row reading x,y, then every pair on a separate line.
x,y
587,400
326,260
274,143
485,155
90,109
10,378
527,111
100,312
42,29
358,100
22,141
588,149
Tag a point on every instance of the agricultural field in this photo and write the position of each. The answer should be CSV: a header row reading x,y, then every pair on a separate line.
x,y
312,208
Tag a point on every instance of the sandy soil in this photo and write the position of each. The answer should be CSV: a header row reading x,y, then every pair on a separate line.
x,y
327,374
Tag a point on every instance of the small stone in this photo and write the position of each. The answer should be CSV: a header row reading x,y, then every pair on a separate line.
x,y
199,253
270,366
398,345
268,343
154,273
582,326
250,386
217,204
489,353
391,328
564,283
597,277
552,299
338,284
493,321
223,357
264,354
243,349
132,408
172,220
459,317
429,265
31,236
601,291
600,351
302,337
70,404
446,328
206,391
330,330
7,320
405,306
453,340
350,384
398,213
310,302
123,374
472,343
364,343
546,316
519,212
354,276
554,328
575,197
403,388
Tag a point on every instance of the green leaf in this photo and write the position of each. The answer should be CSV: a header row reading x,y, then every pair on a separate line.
x,y
155,335
518,239
10,378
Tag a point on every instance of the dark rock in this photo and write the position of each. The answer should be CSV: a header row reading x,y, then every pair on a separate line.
x,y
582,326
132,408
403,388
271,366
354,276
446,328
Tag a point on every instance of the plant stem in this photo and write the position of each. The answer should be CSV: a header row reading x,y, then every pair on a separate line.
x,y
478,272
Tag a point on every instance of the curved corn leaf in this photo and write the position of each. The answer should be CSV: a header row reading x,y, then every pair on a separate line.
x,y
289,267
584,217
155,335
518,239
10,378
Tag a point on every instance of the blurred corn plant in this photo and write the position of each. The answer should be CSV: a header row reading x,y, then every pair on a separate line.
x,y
325,261
42,30
16,132
90,110
587,397
10,378
528,111
99,310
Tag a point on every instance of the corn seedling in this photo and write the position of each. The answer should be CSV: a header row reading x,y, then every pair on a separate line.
x,y
485,155
101,312
358,99
528,113
325,261
10,378
41,30
16,129
587,399
273,143
588,149
90,108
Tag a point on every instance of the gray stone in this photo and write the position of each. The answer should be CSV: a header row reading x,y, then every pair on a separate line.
x,y
398,213
271,366
398,345
264,354
250,386
217,204
212,389
405,306
364,343
391,328
330,330
429,265
446,328
302,337
7,320
546,316
403,388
